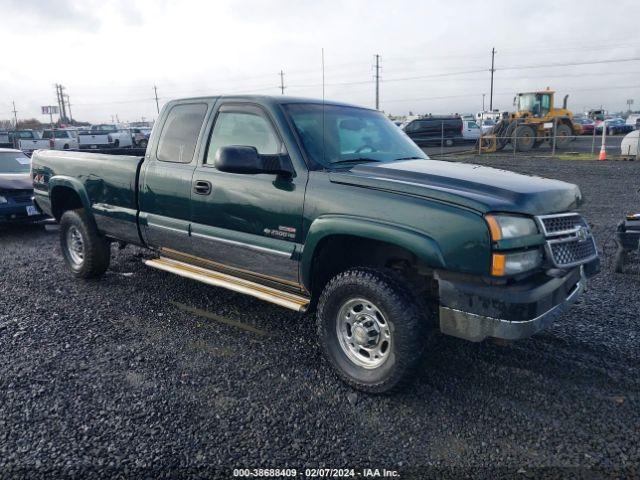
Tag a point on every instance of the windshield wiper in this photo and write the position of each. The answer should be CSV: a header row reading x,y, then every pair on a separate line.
x,y
354,160
409,158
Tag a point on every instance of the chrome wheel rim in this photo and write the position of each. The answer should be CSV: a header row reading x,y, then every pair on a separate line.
x,y
364,333
75,246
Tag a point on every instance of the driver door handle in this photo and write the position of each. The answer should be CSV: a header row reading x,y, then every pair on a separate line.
x,y
202,187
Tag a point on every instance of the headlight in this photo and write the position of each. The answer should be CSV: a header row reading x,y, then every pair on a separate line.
x,y
510,226
3,199
513,263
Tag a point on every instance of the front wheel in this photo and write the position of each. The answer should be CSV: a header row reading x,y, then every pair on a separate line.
x,y
372,329
86,252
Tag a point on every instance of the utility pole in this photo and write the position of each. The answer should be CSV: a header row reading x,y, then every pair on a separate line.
x,y
281,82
64,105
69,105
493,54
377,67
155,89
15,116
59,99
483,95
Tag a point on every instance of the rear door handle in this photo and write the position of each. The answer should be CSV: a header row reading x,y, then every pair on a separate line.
x,y
202,187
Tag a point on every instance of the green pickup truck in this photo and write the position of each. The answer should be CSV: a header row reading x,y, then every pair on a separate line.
x,y
329,208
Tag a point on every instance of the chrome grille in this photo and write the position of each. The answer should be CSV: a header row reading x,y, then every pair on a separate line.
x,y
564,223
573,251
569,240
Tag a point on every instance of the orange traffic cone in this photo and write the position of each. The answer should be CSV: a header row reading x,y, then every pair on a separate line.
x,y
603,153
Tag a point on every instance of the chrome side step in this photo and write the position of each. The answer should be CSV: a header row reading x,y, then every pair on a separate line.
x,y
217,279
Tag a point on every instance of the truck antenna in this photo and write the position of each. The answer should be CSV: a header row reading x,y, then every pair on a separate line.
x,y
323,150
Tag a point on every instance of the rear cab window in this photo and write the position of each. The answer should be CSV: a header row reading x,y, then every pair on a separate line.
x,y
180,132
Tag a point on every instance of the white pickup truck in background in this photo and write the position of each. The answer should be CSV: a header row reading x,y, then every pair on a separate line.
x,y
49,140
105,136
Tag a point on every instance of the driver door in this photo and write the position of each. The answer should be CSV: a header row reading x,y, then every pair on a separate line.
x,y
247,222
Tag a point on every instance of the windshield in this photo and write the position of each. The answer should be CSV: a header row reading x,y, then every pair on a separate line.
x,y
350,134
14,162
103,128
57,134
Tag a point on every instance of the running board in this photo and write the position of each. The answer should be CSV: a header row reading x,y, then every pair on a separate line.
x,y
217,279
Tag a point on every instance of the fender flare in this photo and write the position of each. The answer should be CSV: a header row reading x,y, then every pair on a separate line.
x,y
421,245
72,183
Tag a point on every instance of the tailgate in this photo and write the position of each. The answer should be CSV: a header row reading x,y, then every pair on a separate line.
x,y
93,139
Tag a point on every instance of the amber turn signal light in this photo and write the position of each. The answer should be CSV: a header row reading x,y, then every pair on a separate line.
x,y
494,228
498,263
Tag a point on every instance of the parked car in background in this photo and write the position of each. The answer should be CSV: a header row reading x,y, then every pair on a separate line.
x,y
633,120
588,125
445,130
5,140
615,126
51,140
470,130
140,136
486,125
16,188
106,135
25,140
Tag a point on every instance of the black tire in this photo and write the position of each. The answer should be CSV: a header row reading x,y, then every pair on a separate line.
x,y
65,147
524,137
620,260
448,142
563,135
96,249
116,144
142,143
405,316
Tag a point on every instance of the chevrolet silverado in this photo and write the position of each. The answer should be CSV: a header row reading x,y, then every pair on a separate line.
x,y
329,208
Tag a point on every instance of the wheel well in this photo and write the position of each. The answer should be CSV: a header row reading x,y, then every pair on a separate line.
x,y
338,253
63,199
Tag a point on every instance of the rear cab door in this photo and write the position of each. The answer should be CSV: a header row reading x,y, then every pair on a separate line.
x,y
165,180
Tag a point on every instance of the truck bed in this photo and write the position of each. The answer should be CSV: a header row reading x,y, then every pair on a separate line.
x,y
107,184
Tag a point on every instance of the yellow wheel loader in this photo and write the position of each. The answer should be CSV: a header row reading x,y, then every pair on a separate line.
x,y
532,124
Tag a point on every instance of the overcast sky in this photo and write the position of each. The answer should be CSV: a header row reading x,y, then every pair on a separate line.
x,y
110,54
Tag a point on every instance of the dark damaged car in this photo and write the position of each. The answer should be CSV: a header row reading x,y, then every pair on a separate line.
x,y
16,189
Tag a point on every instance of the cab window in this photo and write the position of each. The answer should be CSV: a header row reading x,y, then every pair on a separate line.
x,y
243,127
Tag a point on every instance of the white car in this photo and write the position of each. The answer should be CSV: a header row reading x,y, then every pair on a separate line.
x,y
106,135
50,140
470,130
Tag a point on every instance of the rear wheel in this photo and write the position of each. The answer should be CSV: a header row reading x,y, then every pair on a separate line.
x,y
448,142
86,252
372,329
563,135
524,138
142,143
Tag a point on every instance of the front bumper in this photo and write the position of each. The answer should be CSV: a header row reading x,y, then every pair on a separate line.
x,y
17,213
628,234
474,311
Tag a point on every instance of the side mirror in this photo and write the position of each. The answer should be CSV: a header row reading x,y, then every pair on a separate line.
x,y
247,160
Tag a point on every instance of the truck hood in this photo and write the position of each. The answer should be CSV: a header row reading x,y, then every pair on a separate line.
x,y
15,181
481,188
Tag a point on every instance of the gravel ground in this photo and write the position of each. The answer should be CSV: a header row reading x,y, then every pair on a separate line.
x,y
145,374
